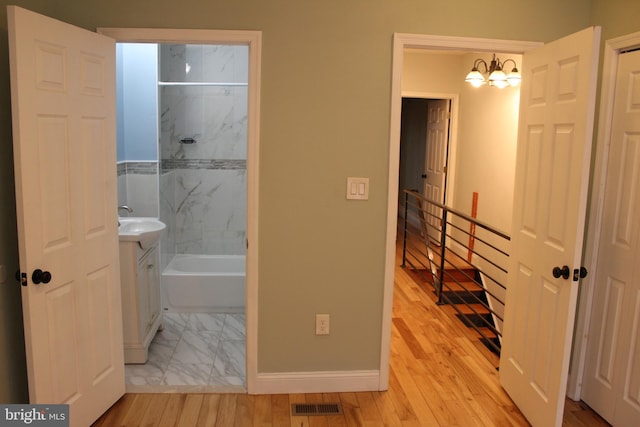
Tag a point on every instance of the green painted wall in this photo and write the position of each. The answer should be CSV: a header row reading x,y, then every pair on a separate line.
x,y
617,17
326,74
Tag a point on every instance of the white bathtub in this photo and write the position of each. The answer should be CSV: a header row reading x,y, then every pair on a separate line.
x,y
204,283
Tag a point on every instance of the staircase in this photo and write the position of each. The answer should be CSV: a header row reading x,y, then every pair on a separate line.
x,y
464,297
462,289
430,231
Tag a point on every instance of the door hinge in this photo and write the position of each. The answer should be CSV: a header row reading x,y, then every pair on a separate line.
x,y
444,169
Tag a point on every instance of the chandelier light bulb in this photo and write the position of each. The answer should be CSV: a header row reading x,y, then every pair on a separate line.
x,y
476,78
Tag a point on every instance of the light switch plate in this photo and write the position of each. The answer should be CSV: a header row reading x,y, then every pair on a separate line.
x,y
357,188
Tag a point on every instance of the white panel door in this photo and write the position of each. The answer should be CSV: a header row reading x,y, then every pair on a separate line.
x,y
436,161
63,105
612,374
550,194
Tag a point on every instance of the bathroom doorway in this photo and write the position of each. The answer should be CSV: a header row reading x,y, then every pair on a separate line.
x,y
194,166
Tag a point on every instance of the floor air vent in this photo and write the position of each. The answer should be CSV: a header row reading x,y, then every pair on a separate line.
x,y
307,409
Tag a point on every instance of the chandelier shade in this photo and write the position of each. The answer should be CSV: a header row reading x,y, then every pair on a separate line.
x,y
493,74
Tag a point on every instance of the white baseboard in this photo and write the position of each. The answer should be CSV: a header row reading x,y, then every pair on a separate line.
x,y
317,382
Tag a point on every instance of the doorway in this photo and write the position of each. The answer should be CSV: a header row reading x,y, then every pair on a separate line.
x,y
424,153
182,139
406,41
424,146
447,59
250,39
403,42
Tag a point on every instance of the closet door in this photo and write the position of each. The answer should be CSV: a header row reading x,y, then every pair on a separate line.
x,y
612,375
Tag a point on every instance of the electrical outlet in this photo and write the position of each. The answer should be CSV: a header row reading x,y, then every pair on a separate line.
x,y
322,324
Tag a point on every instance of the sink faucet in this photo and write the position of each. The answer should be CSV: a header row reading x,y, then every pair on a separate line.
x,y
125,208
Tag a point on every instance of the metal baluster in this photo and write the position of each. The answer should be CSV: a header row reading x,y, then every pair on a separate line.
x,y
443,241
404,243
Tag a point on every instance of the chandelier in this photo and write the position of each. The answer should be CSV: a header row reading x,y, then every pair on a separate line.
x,y
494,72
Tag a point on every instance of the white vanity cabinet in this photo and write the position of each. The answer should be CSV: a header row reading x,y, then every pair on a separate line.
x,y
141,314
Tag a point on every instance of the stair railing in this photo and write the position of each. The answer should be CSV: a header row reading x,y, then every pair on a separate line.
x,y
469,277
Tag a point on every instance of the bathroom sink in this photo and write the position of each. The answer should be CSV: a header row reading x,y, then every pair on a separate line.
x,y
144,230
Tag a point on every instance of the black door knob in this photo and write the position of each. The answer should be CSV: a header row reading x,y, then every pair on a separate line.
x,y
579,274
40,276
561,272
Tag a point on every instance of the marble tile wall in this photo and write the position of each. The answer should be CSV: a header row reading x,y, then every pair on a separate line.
x,y
215,117
167,215
122,184
210,211
203,184
138,187
206,63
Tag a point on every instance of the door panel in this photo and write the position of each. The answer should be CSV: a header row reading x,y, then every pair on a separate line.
x,y
53,146
628,409
63,340
63,106
612,376
550,193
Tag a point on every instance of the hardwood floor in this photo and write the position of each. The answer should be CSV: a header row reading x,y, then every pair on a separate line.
x,y
438,377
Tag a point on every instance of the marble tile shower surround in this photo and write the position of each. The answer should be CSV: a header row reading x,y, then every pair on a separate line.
x,y
203,185
166,181
201,351
215,117
207,63
201,164
207,210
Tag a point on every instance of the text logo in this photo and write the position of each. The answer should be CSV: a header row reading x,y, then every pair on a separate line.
x,y
34,415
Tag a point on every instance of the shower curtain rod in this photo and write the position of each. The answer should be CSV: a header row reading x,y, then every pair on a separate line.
x,y
200,84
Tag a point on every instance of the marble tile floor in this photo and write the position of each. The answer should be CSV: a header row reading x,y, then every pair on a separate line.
x,y
199,352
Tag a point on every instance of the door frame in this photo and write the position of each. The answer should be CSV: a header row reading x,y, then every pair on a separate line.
x,y
403,41
253,39
612,50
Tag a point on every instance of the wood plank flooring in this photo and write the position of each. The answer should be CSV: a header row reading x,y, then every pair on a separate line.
x,y
438,377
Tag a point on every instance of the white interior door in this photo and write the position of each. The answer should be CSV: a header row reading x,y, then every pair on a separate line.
x,y
612,375
550,194
436,161
63,105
